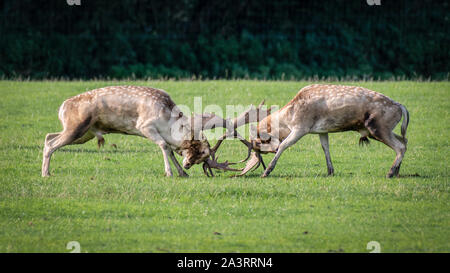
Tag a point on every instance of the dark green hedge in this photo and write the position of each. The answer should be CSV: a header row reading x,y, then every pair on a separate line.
x,y
225,39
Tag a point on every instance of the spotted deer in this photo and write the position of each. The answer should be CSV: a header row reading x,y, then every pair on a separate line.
x,y
322,109
140,111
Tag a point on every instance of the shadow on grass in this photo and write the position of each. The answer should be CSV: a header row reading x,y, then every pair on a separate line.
x,y
252,175
68,149
415,175
102,151
22,147
325,175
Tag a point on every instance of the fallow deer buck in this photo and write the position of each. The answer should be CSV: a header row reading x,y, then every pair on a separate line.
x,y
141,111
322,109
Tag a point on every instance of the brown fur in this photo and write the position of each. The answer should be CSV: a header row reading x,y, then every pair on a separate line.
x,y
322,109
131,110
196,150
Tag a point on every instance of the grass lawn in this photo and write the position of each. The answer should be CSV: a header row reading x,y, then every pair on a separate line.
x,y
118,200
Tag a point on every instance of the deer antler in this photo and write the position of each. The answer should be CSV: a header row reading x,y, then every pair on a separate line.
x,y
209,121
253,163
211,163
246,117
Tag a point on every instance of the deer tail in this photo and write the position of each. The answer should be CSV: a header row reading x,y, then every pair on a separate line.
x,y
405,122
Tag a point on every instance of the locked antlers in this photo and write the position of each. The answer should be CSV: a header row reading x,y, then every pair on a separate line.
x,y
209,121
251,115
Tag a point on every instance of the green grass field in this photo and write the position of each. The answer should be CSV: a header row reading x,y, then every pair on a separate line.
x,y
118,200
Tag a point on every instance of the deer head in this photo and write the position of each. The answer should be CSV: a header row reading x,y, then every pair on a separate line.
x,y
197,150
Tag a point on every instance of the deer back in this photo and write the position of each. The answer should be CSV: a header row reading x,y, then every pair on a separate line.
x,y
122,109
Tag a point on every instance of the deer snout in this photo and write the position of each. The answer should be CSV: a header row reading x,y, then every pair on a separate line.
x,y
186,164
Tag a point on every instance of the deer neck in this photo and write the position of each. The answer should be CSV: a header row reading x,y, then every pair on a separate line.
x,y
274,125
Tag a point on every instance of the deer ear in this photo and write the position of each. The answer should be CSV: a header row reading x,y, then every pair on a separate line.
x,y
176,113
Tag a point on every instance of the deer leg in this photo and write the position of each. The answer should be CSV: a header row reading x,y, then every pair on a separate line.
x,y
400,148
47,153
152,134
47,148
166,154
180,170
50,136
326,150
262,161
293,137
400,138
391,140
54,143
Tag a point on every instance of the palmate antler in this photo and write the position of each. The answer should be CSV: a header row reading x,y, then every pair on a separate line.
x,y
251,115
210,121
255,156
253,163
212,163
